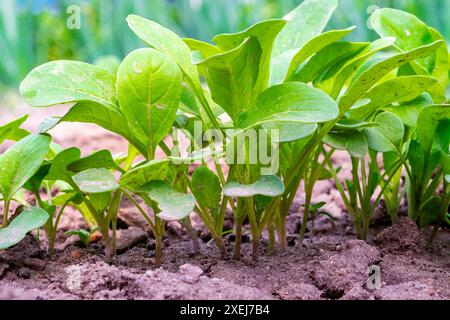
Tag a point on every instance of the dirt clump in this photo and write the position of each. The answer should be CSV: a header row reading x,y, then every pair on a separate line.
x,y
402,236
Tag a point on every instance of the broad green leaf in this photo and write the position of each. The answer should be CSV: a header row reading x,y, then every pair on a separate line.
x,y
290,102
228,73
149,86
35,182
61,82
409,111
109,63
173,205
112,120
290,131
338,75
270,186
96,181
265,32
337,52
59,170
303,23
371,76
9,129
144,173
409,31
166,41
287,63
201,50
428,122
399,89
20,162
429,214
354,142
441,69
206,187
388,135
30,219
97,160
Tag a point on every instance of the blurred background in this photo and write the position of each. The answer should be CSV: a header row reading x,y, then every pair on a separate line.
x,y
34,31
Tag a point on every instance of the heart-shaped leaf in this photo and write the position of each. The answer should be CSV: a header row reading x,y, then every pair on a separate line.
x,y
30,219
173,205
352,141
96,181
270,186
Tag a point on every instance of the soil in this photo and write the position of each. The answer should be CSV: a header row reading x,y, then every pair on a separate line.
x,y
333,265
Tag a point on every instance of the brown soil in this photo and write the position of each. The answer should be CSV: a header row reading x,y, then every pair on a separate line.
x,y
333,265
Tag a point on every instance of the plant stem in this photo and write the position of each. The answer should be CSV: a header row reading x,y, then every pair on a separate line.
x,y
271,245
158,251
192,234
6,213
237,242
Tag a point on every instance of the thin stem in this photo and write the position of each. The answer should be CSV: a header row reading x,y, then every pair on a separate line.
x,y
6,213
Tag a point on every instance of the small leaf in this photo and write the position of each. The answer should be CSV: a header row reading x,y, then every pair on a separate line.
x,y
290,102
352,141
9,130
30,219
96,181
97,160
427,123
409,111
388,135
144,173
173,205
60,82
270,186
206,187
289,132
58,170
20,162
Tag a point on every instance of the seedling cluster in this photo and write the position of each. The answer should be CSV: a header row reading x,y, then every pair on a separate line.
x,y
383,102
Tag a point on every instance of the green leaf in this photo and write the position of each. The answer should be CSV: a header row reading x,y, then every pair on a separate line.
x,y
305,22
28,220
149,86
59,170
287,63
9,130
144,173
173,205
35,182
270,186
96,181
112,120
265,32
20,162
427,123
290,102
371,76
399,89
166,41
84,235
97,160
335,53
290,131
101,201
352,141
409,111
229,72
206,187
388,135
60,82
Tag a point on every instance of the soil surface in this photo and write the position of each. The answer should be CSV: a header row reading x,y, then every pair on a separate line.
x,y
333,265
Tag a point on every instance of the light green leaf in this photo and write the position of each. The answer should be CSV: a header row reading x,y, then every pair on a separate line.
x,y
10,129
388,135
352,141
173,205
399,89
20,162
230,72
144,173
287,63
270,186
409,112
30,219
97,160
206,187
58,170
371,76
428,122
290,102
96,181
112,120
60,82
166,41
338,52
149,86
290,131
